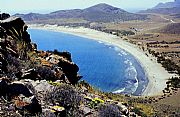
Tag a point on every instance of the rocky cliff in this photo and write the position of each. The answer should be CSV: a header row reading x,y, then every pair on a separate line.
x,y
21,65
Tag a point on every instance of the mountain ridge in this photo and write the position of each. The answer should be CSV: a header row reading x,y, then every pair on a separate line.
x,y
176,3
98,13
168,8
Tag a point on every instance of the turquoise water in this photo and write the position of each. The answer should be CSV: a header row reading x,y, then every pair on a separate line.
x,y
104,66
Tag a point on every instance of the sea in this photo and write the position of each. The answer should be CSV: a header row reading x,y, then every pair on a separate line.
x,y
104,66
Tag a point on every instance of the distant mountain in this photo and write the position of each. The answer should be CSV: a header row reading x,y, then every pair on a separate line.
x,y
32,16
176,3
165,11
98,13
169,8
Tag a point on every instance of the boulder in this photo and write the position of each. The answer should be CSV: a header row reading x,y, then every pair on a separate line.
x,y
3,87
15,28
30,104
30,74
17,88
123,109
41,86
4,16
70,69
86,111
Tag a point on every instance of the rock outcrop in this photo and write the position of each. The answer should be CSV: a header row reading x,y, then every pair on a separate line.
x,y
25,73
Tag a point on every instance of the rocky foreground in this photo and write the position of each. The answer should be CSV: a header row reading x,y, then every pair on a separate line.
x,y
39,83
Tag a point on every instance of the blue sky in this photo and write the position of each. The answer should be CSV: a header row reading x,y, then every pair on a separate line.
x,y
45,6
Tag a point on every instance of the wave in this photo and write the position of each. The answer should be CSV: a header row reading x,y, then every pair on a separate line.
x,y
120,50
124,53
131,75
128,62
100,42
120,90
120,54
107,44
117,49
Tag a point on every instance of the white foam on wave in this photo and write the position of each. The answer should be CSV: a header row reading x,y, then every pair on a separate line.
x,y
128,62
100,42
124,53
119,54
120,90
117,49
107,44
136,85
131,73
120,50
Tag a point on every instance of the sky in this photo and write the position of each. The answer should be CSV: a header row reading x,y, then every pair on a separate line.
x,y
46,6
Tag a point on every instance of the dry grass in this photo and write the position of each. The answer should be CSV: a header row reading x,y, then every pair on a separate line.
x,y
147,109
173,100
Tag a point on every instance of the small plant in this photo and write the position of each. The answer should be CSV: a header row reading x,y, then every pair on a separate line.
x,y
54,83
95,103
139,112
57,109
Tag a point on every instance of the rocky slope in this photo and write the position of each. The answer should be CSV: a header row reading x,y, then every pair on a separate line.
x,y
39,83
21,65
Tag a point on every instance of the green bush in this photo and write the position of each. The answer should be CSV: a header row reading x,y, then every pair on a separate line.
x,y
95,103
139,112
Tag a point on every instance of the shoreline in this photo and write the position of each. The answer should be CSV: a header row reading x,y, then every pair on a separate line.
x,y
155,73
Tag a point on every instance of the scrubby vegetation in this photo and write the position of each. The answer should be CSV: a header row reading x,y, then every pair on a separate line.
x,y
67,97
109,111
174,82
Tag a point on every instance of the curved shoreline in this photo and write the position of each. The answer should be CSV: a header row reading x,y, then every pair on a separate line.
x,y
155,73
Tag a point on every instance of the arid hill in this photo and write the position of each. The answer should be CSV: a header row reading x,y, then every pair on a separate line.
x,y
176,3
98,13
169,8
173,28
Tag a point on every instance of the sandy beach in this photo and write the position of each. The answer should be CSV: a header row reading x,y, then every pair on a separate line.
x,y
156,74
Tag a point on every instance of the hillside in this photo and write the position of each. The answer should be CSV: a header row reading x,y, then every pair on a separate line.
x,y
169,8
173,28
176,3
98,13
165,11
